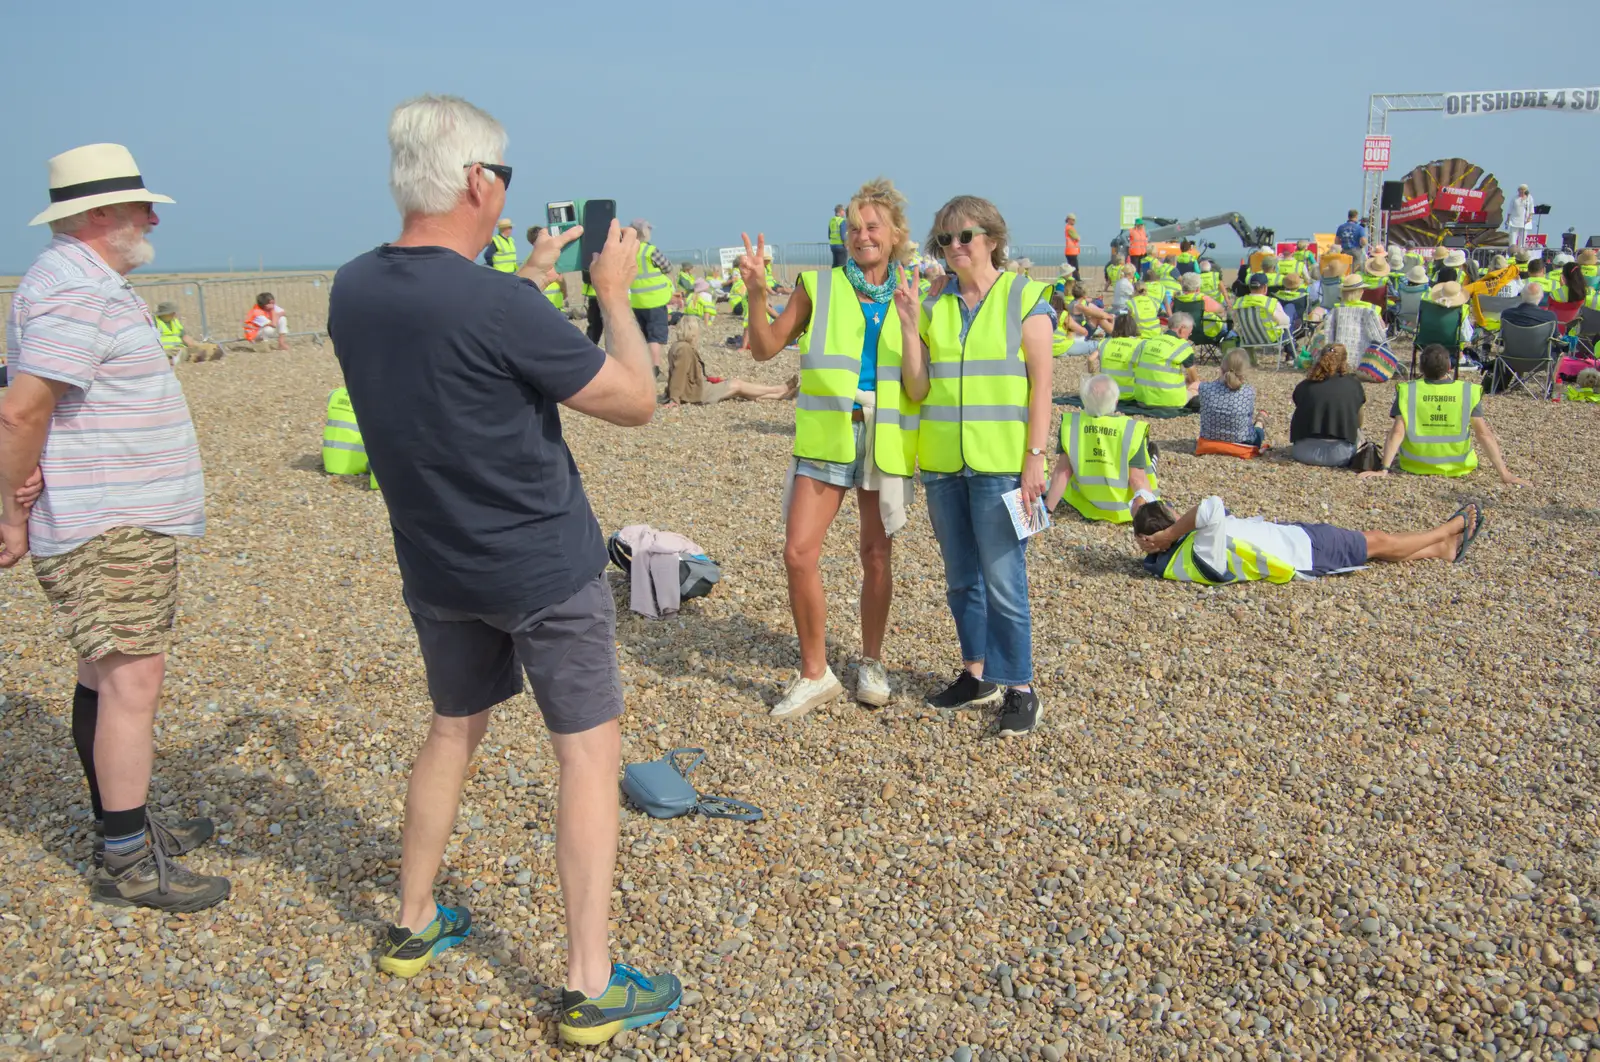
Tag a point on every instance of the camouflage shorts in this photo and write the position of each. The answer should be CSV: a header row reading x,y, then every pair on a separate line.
x,y
116,593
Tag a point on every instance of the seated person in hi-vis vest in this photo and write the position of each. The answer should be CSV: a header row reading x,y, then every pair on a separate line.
x,y
1435,422
1102,457
1208,546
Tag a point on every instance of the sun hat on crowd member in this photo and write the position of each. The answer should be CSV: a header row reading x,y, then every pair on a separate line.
x,y
1498,262
456,374
1448,295
1455,258
1351,282
95,175
93,399
1377,266
1416,274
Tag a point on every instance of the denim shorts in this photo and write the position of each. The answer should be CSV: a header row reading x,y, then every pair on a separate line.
x,y
836,473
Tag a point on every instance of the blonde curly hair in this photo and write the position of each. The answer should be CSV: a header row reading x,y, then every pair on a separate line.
x,y
891,204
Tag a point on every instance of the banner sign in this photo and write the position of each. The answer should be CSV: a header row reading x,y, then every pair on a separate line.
x,y
1375,153
728,256
1571,100
1132,209
1465,203
1533,239
1414,209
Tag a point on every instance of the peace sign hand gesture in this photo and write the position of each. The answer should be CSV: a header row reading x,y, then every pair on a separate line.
x,y
753,263
908,295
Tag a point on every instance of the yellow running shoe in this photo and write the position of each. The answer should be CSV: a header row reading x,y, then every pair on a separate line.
x,y
631,1000
405,953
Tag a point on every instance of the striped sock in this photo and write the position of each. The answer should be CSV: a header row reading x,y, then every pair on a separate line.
x,y
125,836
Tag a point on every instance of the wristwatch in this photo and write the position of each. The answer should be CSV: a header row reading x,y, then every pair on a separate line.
x,y
1034,451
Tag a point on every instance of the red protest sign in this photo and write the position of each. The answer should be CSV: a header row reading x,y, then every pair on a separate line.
x,y
1375,153
1413,209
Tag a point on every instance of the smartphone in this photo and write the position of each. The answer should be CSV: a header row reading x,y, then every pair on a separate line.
x,y
596,218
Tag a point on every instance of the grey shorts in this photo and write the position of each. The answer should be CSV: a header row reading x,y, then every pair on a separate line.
x,y
568,651
653,323
837,473
1333,547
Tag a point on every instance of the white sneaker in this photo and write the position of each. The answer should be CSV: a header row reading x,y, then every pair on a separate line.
x,y
872,683
805,694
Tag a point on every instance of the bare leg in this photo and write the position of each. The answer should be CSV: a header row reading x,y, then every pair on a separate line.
x,y
877,576
655,356
124,736
586,848
754,391
811,513
1435,543
432,797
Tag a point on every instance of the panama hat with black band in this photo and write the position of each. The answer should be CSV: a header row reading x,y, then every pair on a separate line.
x,y
95,175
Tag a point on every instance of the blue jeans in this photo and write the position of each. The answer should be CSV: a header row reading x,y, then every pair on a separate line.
x,y
985,573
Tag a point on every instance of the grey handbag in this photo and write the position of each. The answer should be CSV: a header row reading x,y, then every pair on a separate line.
x,y
661,789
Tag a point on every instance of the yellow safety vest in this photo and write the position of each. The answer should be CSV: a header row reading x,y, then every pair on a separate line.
x,y
1246,563
1543,283
1581,394
588,291
343,453
650,287
685,281
1113,272
505,253
1209,283
1438,421
1269,307
836,231
1289,266
976,412
1063,338
1099,449
1146,314
1118,356
557,297
830,373
171,335
1591,274
1157,376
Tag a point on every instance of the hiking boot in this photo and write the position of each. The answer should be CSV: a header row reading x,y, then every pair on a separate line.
x,y
964,692
805,694
156,880
175,839
405,953
1019,712
631,1000
872,684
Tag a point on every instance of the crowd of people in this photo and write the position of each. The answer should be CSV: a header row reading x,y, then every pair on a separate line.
x,y
932,365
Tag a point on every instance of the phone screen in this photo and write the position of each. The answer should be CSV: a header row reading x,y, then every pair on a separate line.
x,y
598,214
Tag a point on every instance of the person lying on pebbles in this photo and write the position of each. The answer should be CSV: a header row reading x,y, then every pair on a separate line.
x,y
1206,545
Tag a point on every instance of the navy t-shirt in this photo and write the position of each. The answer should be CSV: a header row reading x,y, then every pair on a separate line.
x,y
455,372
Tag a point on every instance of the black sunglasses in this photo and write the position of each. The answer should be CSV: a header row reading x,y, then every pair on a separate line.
x,y
502,172
945,239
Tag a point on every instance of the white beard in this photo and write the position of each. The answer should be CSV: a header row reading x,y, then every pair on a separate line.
x,y
133,248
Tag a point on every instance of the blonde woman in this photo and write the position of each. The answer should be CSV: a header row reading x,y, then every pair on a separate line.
x,y
980,364
854,428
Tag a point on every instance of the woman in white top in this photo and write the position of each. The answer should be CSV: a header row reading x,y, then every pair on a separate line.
x,y
1519,217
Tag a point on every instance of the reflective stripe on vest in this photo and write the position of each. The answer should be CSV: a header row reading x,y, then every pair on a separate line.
x,y
1099,486
835,231
1246,563
171,334
650,288
1138,241
830,373
505,253
557,297
1146,314
1208,282
343,453
1118,356
1444,412
1071,241
1157,376
976,412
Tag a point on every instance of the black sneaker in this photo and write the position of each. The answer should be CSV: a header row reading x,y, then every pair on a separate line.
x,y
1019,712
964,692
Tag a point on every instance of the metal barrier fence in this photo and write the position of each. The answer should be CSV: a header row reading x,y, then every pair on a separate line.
x,y
214,308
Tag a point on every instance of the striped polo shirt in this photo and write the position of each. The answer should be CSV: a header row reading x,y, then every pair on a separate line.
x,y
121,450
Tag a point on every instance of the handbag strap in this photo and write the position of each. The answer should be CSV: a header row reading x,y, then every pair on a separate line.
x,y
715,807
672,759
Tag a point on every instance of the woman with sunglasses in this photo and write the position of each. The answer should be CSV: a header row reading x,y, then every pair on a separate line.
x,y
854,427
980,365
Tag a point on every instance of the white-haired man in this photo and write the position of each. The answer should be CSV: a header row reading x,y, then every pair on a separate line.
x,y
1103,457
456,374
1159,377
650,292
94,406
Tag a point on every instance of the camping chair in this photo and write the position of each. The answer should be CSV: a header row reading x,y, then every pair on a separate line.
x,y
1588,330
1379,297
1204,345
1529,352
1438,324
1406,313
1252,329
1296,309
1566,313
1330,293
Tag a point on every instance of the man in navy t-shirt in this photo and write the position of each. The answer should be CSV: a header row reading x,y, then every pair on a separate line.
x,y
1352,237
456,374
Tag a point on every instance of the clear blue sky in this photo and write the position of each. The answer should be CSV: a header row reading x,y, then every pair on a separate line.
x,y
710,118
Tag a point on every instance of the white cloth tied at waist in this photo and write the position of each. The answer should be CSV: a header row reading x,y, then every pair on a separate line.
x,y
894,492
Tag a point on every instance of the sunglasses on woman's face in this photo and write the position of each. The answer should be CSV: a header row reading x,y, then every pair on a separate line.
x,y
964,237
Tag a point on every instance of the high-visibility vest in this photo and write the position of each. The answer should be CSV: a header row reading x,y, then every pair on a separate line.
x,y
1146,314
707,303
1591,274
1290,265
650,287
1157,376
685,281
1189,260
255,319
588,291
1113,272
1118,356
830,372
772,285
976,412
1071,240
836,231
1269,307
505,253
1592,300
343,453
557,297
1246,563
1099,448
1063,338
1373,280
1438,422
1210,283
1159,268
1138,242
1543,283
1581,394
171,335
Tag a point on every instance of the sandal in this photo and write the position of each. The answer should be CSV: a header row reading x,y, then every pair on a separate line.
x,y
1469,534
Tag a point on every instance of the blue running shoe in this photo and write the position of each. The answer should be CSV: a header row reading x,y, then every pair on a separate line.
x,y
405,953
631,1000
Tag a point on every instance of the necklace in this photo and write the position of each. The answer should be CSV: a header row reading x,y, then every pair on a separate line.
x,y
881,293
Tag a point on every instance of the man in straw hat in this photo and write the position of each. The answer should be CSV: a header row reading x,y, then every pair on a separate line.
x,y
177,342
93,400
501,250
